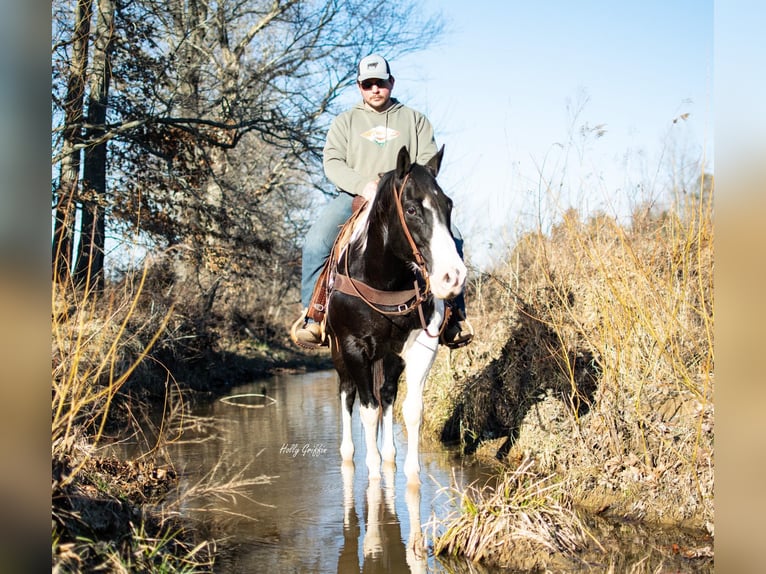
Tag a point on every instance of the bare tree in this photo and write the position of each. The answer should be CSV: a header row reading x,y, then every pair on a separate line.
x,y
65,193
90,260
215,121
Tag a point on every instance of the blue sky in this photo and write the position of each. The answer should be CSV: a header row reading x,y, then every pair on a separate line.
x,y
584,93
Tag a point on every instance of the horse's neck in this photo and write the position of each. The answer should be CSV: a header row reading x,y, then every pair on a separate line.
x,y
377,264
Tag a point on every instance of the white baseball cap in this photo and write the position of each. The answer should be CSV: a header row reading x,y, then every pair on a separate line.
x,y
373,66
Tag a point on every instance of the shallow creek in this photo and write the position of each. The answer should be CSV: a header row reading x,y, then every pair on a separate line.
x,y
298,509
314,514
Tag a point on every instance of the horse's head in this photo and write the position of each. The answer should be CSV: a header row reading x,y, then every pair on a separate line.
x,y
426,213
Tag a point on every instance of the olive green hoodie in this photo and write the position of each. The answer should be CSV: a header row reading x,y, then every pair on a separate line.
x,y
363,143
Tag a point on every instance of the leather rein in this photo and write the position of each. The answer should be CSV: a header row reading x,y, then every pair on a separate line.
x,y
404,301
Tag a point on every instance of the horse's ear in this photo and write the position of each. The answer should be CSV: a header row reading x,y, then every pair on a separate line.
x,y
403,162
435,162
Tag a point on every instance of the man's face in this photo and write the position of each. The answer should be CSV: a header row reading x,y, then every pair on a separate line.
x,y
376,92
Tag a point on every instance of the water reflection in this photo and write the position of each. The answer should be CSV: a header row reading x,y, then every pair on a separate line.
x,y
383,549
316,514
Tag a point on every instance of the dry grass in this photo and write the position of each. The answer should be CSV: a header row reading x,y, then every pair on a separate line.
x,y
594,359
516,522
215,491
113,352
101,507
98,343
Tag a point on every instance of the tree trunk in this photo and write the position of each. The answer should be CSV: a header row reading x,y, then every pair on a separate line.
x,y
70,163
89,269
189,17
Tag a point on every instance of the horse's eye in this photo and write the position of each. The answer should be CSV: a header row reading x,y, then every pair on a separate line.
x,y
411,210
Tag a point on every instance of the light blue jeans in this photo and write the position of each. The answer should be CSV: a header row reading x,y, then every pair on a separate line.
x,y
320,238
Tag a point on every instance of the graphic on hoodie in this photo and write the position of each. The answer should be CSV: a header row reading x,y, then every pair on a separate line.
x,y
380,135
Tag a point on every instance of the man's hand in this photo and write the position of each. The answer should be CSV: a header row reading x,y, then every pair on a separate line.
x,y
368,191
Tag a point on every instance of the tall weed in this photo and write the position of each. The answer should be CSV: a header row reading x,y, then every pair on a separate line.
x,y
594,357
99,339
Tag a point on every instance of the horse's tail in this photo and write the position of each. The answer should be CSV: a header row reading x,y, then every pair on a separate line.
x,y
378,378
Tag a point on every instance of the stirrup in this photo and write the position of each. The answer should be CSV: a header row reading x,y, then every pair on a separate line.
x,y
301,323
463,326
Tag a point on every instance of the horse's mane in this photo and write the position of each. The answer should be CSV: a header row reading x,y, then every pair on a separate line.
x,y
380,206
384,195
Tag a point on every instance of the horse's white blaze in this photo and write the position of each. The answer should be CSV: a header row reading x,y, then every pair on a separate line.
x,y
347,443
369,416
418,353
448,271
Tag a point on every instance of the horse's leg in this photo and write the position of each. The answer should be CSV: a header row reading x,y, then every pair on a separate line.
x,y
373,541
419,354
419,361
359,377
347,397
388,450
393,367
369,415
389,489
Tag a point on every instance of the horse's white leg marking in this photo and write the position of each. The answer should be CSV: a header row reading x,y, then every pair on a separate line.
x,y
388,449
347,443
347,471
369,416
419,354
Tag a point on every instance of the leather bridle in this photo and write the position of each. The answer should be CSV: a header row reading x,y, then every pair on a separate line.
x,y
413,298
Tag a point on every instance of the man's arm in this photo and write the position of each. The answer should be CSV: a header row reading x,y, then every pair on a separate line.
x,y
426,140
334,159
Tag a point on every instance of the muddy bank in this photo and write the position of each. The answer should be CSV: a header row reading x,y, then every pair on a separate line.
x,y
118,513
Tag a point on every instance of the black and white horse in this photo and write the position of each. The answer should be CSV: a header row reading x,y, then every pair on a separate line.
x,y
386,306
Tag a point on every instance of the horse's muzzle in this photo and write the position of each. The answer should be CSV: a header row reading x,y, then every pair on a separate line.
x,y
447,282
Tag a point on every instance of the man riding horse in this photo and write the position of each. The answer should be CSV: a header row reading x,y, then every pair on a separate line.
x,y
386,309
362,143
